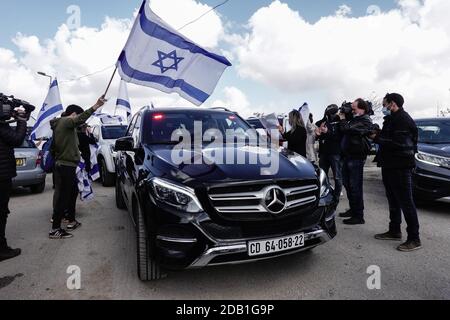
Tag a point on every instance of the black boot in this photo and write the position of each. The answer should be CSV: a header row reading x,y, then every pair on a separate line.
x,y
346,214
8,253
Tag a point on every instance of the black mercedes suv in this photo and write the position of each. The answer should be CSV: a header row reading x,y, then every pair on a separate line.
x,y
194,212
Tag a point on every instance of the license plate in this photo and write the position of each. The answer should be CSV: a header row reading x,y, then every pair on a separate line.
x,y
20,162
257,248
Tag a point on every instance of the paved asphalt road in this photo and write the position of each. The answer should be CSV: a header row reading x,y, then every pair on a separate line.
x,y
104,249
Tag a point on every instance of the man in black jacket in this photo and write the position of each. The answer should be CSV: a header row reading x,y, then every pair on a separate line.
x,y
9,139
398,146
355,148
330,138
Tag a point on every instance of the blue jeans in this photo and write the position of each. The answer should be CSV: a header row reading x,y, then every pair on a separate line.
x,y
399,192
353,175
334,162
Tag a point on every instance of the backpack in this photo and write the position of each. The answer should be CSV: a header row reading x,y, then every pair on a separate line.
x,y
48,158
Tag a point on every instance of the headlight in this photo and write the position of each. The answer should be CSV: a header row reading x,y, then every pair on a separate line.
x,y
433,160
324,184
180,197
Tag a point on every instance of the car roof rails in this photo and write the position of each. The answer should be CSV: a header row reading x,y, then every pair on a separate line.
x,y
221,108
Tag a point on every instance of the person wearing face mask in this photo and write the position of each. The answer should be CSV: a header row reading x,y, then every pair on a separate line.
x,y
355,147
396,156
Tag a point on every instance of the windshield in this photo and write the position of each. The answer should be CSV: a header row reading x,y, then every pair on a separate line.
x,y
434,132
163,126
27,144
113,132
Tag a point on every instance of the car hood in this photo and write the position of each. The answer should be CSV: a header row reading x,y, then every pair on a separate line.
x,y
442,150
291,165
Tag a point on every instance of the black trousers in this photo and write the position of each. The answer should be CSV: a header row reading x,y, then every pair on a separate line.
x,y
399,192
353,176
65,196
333,161
5,194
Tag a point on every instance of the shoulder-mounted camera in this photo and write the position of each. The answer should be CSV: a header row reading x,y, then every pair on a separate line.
x,y
9,106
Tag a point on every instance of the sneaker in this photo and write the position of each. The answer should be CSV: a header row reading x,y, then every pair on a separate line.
x,y
346,214
9,253
71,226
389,236
60,234
410,245
354,221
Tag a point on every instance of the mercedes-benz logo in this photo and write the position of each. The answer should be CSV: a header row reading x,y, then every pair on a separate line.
x,y
275,200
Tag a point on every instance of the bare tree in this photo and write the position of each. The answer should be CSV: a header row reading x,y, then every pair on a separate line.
x,y
445,113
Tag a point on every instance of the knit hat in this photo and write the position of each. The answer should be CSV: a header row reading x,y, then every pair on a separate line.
x,y
73,109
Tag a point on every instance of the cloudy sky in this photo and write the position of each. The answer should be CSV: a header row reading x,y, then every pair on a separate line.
x,y
284,52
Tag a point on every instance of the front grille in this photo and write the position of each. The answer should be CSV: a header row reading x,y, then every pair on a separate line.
x,y
244,202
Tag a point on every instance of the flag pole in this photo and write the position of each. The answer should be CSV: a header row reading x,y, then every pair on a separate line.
x,y
110,81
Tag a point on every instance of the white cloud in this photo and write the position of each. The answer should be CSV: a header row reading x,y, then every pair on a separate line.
x,y
207,31
405,50
235,100
73,53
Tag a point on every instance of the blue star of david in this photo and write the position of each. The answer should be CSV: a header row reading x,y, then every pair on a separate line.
x,y
163,56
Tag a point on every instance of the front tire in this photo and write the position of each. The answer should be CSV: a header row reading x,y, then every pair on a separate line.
x,y
148,268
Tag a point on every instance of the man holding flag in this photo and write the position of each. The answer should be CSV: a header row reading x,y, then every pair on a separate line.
x,y
158,56
67,157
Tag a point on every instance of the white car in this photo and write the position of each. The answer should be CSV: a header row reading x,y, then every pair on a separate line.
x,y
106,135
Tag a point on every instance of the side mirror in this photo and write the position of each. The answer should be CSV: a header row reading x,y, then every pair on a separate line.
x,y
124,144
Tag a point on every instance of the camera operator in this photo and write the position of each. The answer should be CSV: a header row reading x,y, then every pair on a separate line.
x,y
355,148
9,139
398,145
329,135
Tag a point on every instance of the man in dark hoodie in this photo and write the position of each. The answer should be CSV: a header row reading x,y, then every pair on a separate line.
x,y
398,146
67,158
9,139
355,147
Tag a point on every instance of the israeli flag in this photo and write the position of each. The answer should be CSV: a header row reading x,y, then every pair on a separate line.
x,y
305,112
52,108
123,101
158,56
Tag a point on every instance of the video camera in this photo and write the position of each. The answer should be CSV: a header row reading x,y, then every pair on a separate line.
x,y
346,109
9,106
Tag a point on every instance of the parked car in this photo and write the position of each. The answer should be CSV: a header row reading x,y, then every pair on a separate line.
x,y
432,175
198,215
106,136
29,172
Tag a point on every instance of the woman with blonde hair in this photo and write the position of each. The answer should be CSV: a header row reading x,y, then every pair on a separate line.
x,y
296,137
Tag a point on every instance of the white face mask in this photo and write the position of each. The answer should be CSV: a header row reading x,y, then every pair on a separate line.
x,y
386,111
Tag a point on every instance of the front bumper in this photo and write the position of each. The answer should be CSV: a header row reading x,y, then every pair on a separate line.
x,y
236,253
431,182
195,241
